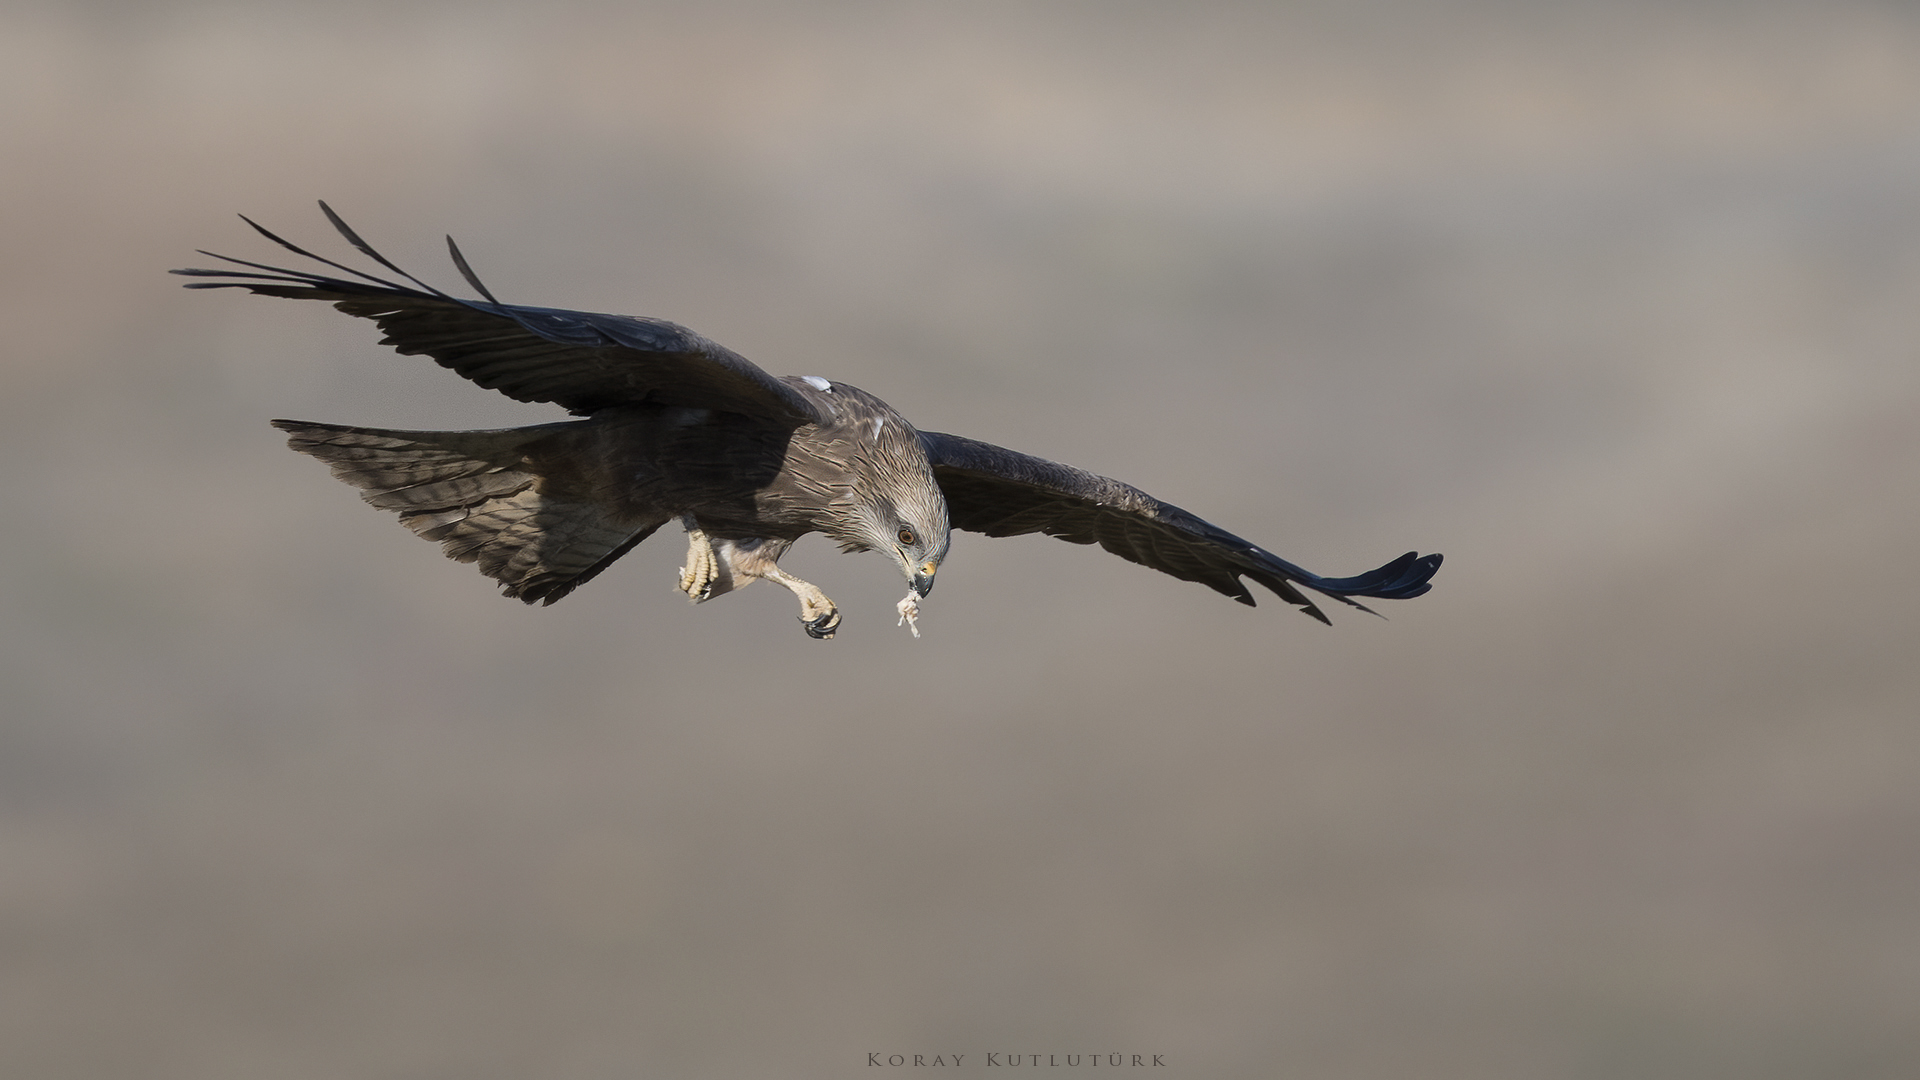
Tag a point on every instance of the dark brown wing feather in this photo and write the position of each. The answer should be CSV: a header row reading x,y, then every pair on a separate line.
x,y
579,360
1000,492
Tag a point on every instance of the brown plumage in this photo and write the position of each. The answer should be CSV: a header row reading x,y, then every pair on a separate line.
x,y
678,428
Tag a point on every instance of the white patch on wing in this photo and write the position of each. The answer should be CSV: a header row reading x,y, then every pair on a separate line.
x,y
878,423
817,383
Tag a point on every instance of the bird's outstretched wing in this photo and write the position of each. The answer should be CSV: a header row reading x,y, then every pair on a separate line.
x,y
999,492
581,361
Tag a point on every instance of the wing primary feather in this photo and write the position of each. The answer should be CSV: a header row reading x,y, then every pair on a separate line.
x,y
367,250
298,250
275,273
1002,492
307,274
466,271
310,281
581,361
1402,579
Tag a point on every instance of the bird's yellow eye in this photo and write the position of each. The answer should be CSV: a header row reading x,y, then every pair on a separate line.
x,y
906,536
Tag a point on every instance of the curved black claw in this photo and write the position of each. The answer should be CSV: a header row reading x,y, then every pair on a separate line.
x,y
823,627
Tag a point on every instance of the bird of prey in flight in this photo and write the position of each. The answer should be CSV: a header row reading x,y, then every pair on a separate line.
x,y
677,428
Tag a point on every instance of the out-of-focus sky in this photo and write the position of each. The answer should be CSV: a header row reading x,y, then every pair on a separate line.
x,y
1616,305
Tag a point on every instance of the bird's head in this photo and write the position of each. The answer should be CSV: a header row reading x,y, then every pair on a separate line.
x,y
891,501
910,528
913,532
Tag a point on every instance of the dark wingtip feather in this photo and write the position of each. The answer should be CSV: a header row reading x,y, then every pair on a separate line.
x,y
367,249
290,274
1402,579
297,250
466,271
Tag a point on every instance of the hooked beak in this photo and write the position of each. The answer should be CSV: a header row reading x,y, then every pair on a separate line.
x,y
923,578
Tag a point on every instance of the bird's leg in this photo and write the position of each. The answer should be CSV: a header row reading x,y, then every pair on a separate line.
x,y
817,613
704,569
715,568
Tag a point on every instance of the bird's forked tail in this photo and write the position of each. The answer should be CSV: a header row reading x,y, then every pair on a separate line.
x,y
483,496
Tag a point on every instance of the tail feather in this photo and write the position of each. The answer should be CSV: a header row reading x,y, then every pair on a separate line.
x,y
479,494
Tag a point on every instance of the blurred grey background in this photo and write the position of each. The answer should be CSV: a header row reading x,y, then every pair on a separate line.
x,y
1616,305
